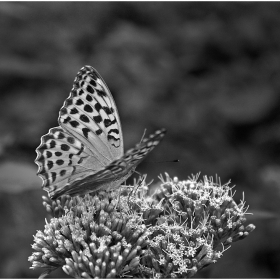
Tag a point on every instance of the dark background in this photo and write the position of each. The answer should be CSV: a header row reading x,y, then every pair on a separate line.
x,y
207,72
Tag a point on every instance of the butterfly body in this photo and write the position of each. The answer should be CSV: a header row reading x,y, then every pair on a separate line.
x,y
85,153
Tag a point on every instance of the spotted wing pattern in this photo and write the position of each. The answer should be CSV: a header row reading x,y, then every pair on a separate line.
x,y
116,172
85,153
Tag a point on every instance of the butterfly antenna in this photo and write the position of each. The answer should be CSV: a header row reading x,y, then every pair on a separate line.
x,y
119,198
137,173
173,160
143,135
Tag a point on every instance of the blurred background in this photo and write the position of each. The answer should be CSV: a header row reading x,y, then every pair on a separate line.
x,y
207,72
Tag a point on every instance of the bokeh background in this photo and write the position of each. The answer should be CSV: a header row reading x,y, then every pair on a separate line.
x,y
207,72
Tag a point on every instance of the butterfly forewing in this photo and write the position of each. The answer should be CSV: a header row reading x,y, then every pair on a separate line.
x,y
90,114
85,153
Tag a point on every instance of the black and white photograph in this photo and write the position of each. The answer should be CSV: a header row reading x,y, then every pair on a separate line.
x,y
140,139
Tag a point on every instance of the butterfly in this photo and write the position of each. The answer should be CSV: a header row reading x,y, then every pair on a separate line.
x,y
85,152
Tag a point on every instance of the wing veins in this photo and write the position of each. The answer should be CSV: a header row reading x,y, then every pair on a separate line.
x,y
88,126
88,142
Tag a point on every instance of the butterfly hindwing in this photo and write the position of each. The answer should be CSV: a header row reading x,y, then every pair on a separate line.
x,y
117,171
59,159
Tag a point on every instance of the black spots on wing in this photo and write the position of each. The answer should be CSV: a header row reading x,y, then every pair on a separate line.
x,y
42,148
98,107
63,111
52,144
84,118
53,187
53,175
108,122
68,102
68,119
71,140
98,132
85,131
70,162
79,102
101,93
74,111
127,157
60,136
41,158
89,98
93,83
108,110
50,164
65,147
93,74
119,166
58,154
62,172
80,160
49,154
55,129
88,108
47,137
113,131
59,162
142,152
81,92
74,124
90,89
97,119
74,91
71,155
113,144
111,137
81,150
43,171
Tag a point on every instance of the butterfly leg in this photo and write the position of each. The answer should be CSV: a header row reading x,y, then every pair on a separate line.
x,y
118,201
138,184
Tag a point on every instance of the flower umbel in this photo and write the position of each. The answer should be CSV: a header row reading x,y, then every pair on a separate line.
x,y
199,223
183,227
90,239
